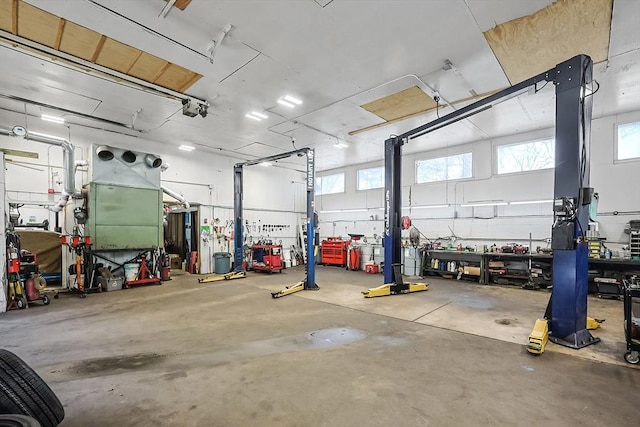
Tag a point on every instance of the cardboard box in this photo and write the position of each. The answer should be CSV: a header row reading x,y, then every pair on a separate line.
x,y
175,261
472,271
496,264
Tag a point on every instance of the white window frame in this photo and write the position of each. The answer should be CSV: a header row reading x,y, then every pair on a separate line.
x,y
319,190
381,168
532,141
470,153
615,145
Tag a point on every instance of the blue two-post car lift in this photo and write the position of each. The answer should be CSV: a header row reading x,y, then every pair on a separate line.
x,y
309,283
572,196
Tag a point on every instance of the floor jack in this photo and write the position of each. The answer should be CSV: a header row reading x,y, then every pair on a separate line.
x,y
220,277
399,287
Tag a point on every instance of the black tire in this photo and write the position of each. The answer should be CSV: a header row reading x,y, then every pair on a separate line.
x,y
21,303
46,300
632,357
22,391
14,420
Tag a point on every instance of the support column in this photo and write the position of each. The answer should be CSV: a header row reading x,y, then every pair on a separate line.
x,y
571,203
392,207
238,251
310,282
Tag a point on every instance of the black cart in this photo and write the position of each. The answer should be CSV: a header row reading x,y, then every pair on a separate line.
x,y
631,323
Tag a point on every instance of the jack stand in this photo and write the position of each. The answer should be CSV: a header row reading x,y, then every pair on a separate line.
x,y
293,289
399,287
221,277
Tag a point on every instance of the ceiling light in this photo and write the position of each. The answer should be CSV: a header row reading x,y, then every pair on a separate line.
x,y
261,115
473,205
266,164
285,103
185,147
341,145
426,207
530,202
251,116
292,99
54,119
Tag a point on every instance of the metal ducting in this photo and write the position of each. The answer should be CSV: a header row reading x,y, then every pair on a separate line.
x,y
68,166
129,156
104,152
176,196
153,161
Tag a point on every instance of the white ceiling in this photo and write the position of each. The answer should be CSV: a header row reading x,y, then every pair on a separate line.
x,y
335,58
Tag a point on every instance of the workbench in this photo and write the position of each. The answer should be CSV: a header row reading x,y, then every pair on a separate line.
x,y
516,268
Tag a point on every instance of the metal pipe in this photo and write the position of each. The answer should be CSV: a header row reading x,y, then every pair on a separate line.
x,y
176,196
68,163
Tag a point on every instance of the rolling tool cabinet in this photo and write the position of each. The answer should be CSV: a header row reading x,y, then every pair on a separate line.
x,y
334,251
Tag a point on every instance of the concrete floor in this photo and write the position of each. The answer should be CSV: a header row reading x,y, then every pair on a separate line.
x,y
227,354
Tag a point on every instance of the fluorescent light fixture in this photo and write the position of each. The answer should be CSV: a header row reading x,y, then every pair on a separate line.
x,y
426,207
257,114
251,116
352,210
285,103
341,145
530,202
54,119
473,205
44,135
266,164
185,147
292,100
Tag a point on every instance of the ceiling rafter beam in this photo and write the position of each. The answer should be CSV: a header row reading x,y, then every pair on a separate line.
x,y
99,47
14,18
61,25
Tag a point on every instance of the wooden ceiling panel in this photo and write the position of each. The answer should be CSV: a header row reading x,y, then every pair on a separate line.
x,y
37,25
6,15
68,37
533,44
177,78
181,4
147,67
401,104
79,41
117,56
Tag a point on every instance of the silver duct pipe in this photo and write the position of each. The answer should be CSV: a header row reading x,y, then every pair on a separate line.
x,y
176,196
68,164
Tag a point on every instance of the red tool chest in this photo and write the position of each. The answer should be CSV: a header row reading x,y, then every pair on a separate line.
x,y
334,251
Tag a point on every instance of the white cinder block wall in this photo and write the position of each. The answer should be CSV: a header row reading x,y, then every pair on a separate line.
x,y
207,178
202,177
618,184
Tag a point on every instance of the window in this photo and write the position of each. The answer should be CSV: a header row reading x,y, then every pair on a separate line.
x,y
444,168
371,178
628,146
330,184
526,156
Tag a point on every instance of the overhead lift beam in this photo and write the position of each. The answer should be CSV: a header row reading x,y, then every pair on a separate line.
x,y
572,79
309,283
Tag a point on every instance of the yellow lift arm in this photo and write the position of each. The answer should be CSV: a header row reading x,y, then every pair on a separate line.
x,y
220,277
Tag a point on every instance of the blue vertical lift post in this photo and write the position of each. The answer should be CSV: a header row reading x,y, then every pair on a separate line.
x,y
572,196
309,283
